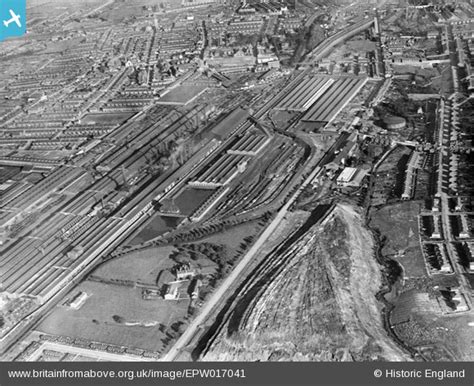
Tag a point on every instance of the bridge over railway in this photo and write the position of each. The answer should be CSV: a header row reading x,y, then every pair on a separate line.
x,y
171,214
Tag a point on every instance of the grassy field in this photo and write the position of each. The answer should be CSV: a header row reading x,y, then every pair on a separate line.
x,y
109,298
143,266
232,238
94,320
399,223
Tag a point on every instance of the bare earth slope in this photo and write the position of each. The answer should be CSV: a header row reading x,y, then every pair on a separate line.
x,y
315,302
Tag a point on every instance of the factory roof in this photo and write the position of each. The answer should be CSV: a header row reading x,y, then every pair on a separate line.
x,y
347,174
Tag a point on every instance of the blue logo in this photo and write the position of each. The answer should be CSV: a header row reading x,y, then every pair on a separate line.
x,y
12,18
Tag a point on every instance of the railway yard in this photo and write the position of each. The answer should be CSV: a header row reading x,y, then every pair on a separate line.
x,y
164,197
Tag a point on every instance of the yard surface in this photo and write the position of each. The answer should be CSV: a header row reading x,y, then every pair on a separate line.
x,y
182,94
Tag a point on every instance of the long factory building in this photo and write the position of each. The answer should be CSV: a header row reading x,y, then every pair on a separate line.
x,y
321,98
250,144
309,90
225,168
330,104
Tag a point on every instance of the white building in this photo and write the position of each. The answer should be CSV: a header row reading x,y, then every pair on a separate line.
x,y
78,300
351,177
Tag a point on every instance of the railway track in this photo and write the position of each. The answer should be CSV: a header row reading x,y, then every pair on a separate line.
x,y
240,304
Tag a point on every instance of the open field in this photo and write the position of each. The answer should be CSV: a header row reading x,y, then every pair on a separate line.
x,y
115,290
398,225
233,237
143,266
94,320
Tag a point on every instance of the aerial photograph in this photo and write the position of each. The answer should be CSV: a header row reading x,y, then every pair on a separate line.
x,y
237,181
